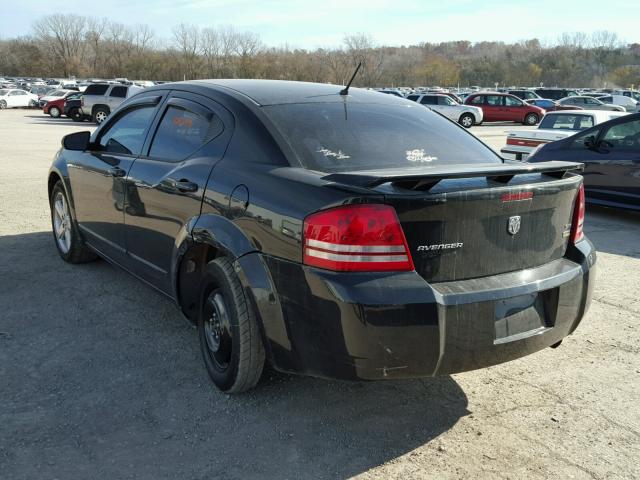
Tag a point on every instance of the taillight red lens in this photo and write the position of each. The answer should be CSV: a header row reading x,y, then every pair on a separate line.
x,y
577,227
356,238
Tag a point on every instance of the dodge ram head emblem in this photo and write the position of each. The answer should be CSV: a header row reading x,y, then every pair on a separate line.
x,y
514,224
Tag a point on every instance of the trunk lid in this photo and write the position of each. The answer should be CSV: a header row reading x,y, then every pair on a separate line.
x,y
470,221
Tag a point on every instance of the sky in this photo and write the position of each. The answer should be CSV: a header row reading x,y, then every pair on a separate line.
x,y
324,23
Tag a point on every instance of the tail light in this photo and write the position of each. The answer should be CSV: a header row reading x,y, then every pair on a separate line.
x,y
356,238
577,227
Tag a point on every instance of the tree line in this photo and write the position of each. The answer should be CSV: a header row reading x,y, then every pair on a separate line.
x,y
86,47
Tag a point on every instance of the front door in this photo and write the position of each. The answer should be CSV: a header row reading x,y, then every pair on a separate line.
x,y
166,184
98,176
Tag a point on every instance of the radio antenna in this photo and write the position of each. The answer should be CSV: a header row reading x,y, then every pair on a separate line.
x,y
345,90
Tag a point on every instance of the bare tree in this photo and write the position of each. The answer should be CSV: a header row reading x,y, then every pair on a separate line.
x,y
63,36
187,38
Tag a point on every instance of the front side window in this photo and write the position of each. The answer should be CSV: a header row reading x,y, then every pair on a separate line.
x,y
623,136
96,89
591,101
125,135
413,98
181,132
512,102
120,92
334,137
446,101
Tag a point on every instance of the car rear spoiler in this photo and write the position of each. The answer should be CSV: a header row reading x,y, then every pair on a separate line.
x,y
425,178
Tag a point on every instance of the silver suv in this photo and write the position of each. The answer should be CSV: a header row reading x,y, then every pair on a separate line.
x,y
100,99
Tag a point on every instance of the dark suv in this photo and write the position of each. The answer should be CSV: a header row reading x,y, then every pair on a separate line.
x,y
555,93
100,99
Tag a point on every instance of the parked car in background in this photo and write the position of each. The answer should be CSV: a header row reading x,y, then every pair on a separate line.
x,y
524,94
13,98
554,126
73,108
55,108
554,93
100,99
502,107
611,156
392,92
341,236
52,95
628,103
628,93
590,103
549,105
41,90
465,115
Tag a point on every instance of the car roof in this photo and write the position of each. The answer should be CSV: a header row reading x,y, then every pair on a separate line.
x,y
279,92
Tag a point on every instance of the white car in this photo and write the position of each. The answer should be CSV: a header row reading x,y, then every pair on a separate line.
x,y
465,115
12,98
628,103
553,126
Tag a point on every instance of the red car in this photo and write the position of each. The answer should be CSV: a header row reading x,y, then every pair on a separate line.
x,y
55,108
502,107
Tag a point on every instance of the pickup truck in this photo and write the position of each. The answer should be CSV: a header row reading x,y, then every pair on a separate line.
x,y
554,126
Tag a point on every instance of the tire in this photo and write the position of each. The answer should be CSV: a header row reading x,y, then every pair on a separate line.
x,y
467,120
228,330
54,112
33,103
75,115
100,114
3,104
69,243
531,119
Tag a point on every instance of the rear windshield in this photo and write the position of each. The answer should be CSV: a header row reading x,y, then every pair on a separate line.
x,y
567,121
337,137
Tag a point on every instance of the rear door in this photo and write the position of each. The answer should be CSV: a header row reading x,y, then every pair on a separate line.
x,y
513,109
166,183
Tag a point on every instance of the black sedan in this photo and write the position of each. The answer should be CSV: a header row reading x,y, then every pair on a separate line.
x,y
610,152
331,232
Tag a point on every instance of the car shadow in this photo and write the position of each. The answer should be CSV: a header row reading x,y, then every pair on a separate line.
x,y
47,119
613,230
102,374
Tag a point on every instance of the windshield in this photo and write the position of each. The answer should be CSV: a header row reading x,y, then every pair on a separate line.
x,y
336,137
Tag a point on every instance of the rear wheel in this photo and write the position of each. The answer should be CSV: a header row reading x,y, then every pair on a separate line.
x,y
229,334
54,112
466,120
531,119
70,245
75,115
100,114
3,104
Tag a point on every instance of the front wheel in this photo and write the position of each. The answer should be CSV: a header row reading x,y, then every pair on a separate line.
x,y
3,104
54,112
75,115
228,330
70,245
100,115
466,120
531,119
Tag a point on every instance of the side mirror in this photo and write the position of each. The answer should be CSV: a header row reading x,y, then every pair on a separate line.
x,y
78,141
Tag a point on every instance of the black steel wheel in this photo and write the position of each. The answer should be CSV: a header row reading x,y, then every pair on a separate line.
x,y
230,338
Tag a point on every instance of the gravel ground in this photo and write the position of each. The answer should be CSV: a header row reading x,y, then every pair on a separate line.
x,y
101,377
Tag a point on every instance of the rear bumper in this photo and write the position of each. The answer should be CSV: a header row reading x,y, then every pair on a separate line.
x,y
396,325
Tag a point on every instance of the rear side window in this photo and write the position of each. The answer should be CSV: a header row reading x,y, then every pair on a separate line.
x,y
567,121
429,100
623,136
181,132
126,134
96,89
120,92
413,98
495,100
337,137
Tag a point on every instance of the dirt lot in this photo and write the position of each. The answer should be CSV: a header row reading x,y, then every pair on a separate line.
x,y
100,377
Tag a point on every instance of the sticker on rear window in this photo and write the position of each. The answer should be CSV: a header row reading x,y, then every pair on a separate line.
x,y
329,153
418,155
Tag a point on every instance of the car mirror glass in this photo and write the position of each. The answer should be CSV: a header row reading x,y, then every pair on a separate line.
x,y
78,141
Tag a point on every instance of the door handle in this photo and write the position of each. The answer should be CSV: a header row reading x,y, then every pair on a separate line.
x,y
117,172
186,186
